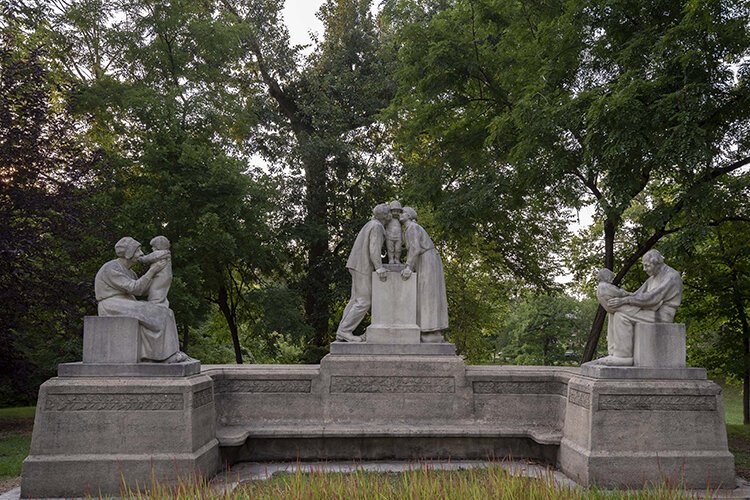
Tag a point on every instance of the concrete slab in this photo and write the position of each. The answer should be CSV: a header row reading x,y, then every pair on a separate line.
x,y
642,373
367,349
129,369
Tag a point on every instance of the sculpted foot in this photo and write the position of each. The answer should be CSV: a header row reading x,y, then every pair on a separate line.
x,y
614,361
347,337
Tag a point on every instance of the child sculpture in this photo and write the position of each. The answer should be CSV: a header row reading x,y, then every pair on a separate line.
x,y
393,234
157,292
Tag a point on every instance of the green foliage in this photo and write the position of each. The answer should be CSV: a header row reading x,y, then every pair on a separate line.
x,y
545,330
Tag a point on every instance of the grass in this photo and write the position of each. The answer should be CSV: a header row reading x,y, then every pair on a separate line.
x,y
425,482
15,439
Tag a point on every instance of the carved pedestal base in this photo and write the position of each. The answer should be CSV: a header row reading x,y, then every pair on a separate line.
x,y
92,434
626,433
659,345
394,310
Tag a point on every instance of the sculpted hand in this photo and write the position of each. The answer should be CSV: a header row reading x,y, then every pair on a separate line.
x,y
617,302
157,266
406,273
382,274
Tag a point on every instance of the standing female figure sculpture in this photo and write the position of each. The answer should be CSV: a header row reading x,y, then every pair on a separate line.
x,y
423,259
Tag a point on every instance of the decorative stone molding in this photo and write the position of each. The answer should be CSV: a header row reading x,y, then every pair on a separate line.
x,y
392,384
656,402
264,386
203,397
113,402
580,398
532,387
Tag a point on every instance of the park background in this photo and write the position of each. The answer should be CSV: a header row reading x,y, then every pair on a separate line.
x,y
538,141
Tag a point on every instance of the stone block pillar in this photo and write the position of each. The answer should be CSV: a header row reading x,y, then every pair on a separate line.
x,y
110,339
627,432
659,345
394,310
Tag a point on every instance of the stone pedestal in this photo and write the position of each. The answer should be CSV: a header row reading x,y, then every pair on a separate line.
x,y
94,434
659,345
394,310
110,339
629,432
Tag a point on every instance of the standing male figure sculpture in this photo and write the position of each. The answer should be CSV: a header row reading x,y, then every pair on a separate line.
x,y
116,286
655,301
364,258
423,259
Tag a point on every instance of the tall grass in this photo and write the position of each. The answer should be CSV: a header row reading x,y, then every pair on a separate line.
x,y
425,482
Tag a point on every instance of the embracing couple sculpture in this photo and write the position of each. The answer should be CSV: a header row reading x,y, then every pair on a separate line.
x,y
116,286
366,258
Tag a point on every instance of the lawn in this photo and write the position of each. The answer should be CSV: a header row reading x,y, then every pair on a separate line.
x,y
15,439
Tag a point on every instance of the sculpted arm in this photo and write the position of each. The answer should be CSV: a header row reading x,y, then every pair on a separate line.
x,y
654,298
125,283
154,256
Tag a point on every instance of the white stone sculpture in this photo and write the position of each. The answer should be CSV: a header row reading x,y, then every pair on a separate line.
x,y
159,288
655,301
393,238
432,301
116,286
364,258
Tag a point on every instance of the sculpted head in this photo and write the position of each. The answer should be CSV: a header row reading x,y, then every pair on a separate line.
x,y
129,249
159,243
408,214
653,261
382,213
605,275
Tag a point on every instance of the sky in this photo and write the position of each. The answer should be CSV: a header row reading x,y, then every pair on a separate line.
x,y
300,19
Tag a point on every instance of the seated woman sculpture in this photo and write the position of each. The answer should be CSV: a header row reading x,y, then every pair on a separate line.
x,y
116,286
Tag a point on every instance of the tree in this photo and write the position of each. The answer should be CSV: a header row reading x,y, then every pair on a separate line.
x,y
47,223
149,85
544,329
566,104
327,107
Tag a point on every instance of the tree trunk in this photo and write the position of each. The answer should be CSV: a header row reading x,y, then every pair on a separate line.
x,y
185,338
609,262
317,295
231,318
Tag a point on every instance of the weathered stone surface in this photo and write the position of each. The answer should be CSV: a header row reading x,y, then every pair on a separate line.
x,y
110,339
640,373
625,433
659,345
91,434
184,369
394,311
368,349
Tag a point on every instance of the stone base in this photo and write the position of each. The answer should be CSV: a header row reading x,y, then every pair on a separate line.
x,y
627,433
393,334
110,339
659,345
368,349
640,373
92,435
129,369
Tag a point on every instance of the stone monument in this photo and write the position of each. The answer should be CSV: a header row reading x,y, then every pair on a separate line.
x,y
640,330
409,302
136,407
639,414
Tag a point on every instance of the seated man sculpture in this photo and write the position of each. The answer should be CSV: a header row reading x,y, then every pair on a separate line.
x,y
655,301
116,286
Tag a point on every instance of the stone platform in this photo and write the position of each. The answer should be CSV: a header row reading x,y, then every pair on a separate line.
x,y
606,426
92,435
368,349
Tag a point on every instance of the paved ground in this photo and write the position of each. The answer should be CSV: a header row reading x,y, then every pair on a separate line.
x,y
249,471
